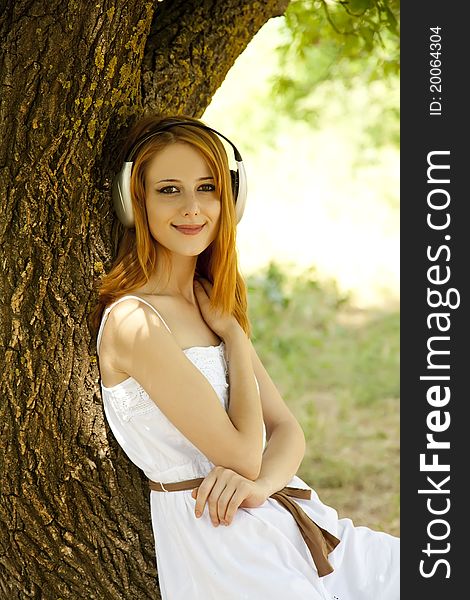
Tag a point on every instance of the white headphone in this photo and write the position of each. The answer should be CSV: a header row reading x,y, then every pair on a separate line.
x,y
122,181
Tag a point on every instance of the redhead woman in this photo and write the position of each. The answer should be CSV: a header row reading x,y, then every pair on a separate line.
x,y
191,404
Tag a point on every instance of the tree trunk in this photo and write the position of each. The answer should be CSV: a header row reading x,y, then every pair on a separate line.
x,y
74,511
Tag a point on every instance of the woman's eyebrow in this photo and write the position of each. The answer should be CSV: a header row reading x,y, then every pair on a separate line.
x,y
179,180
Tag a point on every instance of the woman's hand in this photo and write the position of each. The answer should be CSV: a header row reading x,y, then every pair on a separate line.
x,y
224,491
221,324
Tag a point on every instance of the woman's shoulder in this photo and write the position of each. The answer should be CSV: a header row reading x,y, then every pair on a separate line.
x,y
126,320
133,308
180,318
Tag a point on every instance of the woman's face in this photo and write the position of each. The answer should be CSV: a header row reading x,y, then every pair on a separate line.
x,y
183,205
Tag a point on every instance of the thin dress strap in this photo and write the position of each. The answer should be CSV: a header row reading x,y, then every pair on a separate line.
x,y
108,309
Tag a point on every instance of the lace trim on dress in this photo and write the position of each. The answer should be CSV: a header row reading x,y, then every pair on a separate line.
x,y
131,402
210,363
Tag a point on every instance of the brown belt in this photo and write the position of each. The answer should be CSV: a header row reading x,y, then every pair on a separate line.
x,y
319,541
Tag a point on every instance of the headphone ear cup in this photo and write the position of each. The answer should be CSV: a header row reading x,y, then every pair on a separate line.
x,y
238,178
122,195
240,198
234,179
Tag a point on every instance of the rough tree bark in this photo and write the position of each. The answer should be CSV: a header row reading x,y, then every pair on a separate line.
x,y
74,511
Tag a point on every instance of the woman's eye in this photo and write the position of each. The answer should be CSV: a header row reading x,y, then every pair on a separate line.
x,y
207,187
171,189
168,189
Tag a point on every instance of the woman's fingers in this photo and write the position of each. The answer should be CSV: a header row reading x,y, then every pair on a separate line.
x,y
202,295
213,502
203,285
219,500
223,491
223,502
233,505
202,493
209,493
199,289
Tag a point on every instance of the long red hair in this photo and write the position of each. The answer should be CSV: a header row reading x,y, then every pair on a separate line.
x,y
137,253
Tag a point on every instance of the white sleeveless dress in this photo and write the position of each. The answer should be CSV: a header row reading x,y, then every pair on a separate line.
x,y
261,555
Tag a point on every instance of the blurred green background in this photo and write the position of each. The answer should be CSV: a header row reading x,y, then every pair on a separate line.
x,y
314,111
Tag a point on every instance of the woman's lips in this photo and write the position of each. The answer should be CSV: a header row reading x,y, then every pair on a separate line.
x,y
189,229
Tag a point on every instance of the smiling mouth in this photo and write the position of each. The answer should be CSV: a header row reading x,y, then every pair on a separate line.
x,y
189,229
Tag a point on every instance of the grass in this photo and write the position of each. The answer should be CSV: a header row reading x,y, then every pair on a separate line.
x,y
337,368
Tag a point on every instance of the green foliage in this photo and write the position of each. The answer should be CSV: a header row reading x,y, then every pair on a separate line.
x,y
278,302
337,368
327,39
332,48
308,332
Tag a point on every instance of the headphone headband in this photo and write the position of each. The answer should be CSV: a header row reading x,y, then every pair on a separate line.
x,y
122,182
168,125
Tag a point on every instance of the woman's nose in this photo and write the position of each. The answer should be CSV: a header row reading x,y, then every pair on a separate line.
x,y
191,205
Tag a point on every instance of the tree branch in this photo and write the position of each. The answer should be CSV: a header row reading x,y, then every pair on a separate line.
x,y
191,47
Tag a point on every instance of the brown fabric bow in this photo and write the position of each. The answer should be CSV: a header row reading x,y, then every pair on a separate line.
x,y
319,541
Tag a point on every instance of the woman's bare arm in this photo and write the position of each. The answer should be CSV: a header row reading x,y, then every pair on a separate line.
x,y
148,353
285,447
224,490
245,405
